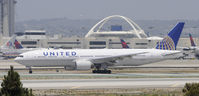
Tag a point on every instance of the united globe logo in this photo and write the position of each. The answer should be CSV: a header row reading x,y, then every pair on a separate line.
x,y
166,44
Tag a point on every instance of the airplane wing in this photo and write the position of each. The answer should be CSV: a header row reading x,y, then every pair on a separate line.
x,y
169,54
114,58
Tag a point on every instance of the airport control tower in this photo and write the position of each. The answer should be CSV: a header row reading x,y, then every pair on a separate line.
x,y
7,17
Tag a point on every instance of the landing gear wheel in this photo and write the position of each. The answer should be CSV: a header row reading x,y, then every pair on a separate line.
x,y
30,70
94,71
109,71
102,71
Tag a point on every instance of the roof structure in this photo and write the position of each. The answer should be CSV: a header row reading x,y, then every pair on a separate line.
x,y
134,32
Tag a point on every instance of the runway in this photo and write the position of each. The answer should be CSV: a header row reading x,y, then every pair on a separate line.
x,y
108,83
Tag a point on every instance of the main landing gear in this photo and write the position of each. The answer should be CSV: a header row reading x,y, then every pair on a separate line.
x,y
30,70
101,69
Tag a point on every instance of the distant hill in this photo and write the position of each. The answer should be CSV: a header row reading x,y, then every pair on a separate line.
x,y
69,27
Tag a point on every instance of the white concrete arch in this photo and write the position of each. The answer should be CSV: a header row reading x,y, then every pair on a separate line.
x,y
136,29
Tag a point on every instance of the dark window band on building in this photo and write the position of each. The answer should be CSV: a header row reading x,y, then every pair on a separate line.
x,y
117,43
62,47
64,42
97,42
116,28
31,47
34,33
97,47
28,42
141,43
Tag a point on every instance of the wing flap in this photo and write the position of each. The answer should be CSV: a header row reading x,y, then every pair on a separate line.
x,y
170,54
114,58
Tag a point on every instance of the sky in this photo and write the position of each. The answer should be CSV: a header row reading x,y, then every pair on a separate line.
x,y
99,9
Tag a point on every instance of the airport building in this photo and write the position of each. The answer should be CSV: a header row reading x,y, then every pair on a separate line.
x,y
96,38
101,35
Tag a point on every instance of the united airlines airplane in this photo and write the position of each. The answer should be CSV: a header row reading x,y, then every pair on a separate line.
x,y
101,59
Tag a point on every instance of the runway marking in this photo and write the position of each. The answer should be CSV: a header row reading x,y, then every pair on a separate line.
x,y
175,85
75,87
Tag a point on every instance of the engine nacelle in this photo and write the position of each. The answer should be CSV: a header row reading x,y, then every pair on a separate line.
x,y
83,65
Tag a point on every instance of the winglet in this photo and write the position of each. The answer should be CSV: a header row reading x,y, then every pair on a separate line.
x,y
170,42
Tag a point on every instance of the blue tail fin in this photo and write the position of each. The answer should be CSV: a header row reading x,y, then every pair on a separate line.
x,y
124,44
170,42
191,39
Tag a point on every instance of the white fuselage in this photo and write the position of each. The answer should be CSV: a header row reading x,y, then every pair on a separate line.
x,y
62,57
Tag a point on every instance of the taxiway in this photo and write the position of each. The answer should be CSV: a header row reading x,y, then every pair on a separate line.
x,y
108,83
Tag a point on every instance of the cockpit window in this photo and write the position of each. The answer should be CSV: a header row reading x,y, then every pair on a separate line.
x,y
20,56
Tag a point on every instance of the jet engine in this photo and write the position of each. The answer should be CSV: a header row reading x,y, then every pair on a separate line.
x,y
83,65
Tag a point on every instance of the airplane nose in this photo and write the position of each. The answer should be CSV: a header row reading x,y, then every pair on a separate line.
x,y
18,59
